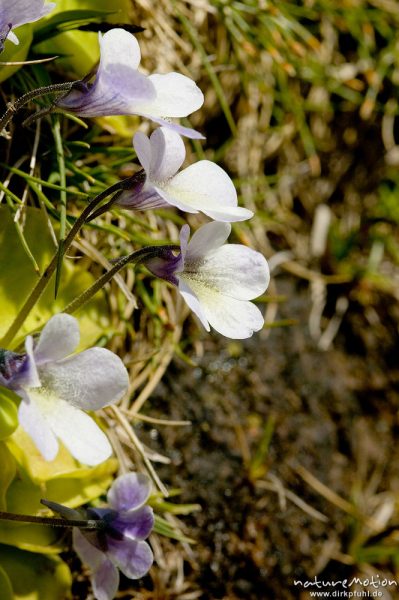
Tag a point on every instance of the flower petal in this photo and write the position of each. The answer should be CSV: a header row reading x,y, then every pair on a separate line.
x,y
12,37
207,238
193,302
184,237
175,96
135,524
235,319
118,86
167,154
117,81
25,374
231,214
205,187
118,47
59,338
233,270
133,558
142,146
188,132
77,431
88,554
129,491
90,380
19,12
105,581
144,199
34,423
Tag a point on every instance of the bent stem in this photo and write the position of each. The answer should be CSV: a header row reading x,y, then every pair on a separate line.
x,y
54,521
137,179
134,258
42,91
48,272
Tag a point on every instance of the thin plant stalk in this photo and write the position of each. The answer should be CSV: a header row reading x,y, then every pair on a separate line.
x,y
53,521
48,272
63,198
134,258
14,107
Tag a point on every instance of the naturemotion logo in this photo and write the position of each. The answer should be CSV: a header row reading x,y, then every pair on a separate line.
x,y
367,587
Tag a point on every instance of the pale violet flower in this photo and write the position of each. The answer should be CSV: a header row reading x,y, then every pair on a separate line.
x,y
217,280
14,13
119,542
120,89
203,186
54,388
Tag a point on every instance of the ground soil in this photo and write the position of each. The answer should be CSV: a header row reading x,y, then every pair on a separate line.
x,y
335,414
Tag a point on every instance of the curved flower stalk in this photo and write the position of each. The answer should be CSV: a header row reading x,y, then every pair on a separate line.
x,y
203,186
119,543
54,388
120,89
14,13
217,280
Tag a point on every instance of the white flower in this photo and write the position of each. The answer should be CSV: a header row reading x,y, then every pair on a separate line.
x,y
55,386
217,280
14,13
203,186
120,89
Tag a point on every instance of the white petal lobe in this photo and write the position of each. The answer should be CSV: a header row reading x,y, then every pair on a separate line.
x,y
235,270
142,146
59,338
176,96
193,302
168,153
235,319
79,434
34,423
207,238
90,380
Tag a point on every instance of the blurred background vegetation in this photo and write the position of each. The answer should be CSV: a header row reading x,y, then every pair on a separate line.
x,y
292,447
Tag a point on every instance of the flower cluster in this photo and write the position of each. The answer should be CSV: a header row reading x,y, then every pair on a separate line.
x,y
217,281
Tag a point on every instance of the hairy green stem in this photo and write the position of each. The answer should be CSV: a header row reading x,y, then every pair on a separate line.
x,y
48,272
53,521
134,258
42,91
63,198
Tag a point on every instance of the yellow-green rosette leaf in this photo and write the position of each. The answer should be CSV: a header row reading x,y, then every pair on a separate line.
x,y
8,413
7,473
18,277
29,576
15,53
6,592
